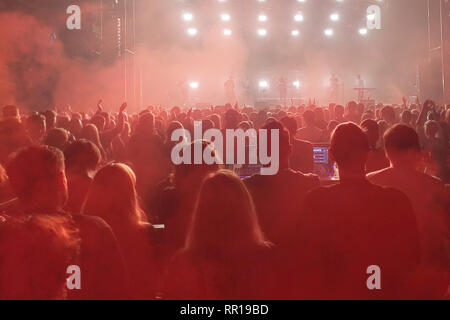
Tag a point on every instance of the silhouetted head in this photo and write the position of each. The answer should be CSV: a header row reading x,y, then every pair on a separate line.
x,y
231,119
82,156
372,131
146,124
339,111
388,115
402,146
36,126
291,124
309,118
350,147
37,177
57,137
50,119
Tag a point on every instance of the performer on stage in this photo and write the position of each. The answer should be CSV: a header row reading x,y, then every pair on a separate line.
x,y
334,88
230,90
282,87
361,86
246,95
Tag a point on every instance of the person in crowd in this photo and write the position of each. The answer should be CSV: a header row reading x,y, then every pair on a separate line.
x,y
90,133
428,196
343,230
310,132
173,205
278,197
145,151
41,189
376,159
13,135
339,112
36,128
302,151
112,196
58,138
226,255
35,252
50,119
82,158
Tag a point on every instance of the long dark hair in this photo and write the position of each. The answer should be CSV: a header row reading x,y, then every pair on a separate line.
x,y
224,218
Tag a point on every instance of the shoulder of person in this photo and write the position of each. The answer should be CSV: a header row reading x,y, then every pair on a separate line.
x,y
393,196
319,193
309,178
303,143
91,222
253,180
377,174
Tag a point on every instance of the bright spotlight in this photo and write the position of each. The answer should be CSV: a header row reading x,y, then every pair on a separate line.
x,y
192,32
188,16
334,17
225,17
329,32
193,85
227,32
295,33
262,18
298,17
262,32
363,31
296,84
263,84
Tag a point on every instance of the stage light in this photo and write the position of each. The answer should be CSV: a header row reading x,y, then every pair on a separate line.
x,y
193,85
298,17
329,32
295,33
263,84
262,32
296,84
363,31
188,16
192,32
262,18
227,32
334,17
225,17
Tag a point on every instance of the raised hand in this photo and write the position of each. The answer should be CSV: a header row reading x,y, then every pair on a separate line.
x,y
99,105
123,107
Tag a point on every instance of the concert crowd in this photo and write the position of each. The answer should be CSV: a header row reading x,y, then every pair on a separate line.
x,y
99,190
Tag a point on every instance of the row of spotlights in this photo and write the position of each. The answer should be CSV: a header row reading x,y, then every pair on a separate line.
x,y
263,32
298,17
